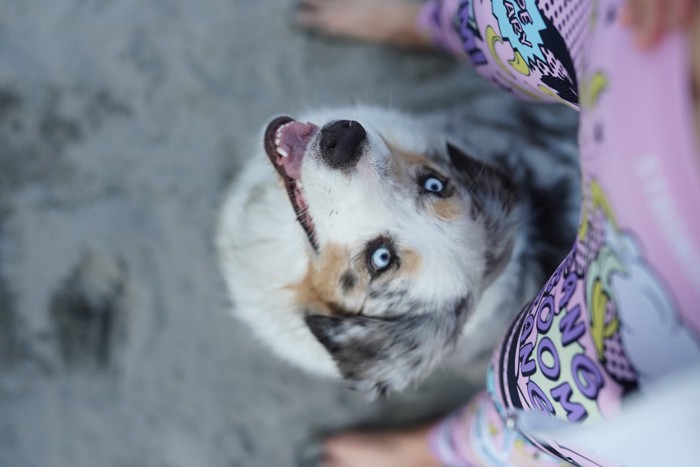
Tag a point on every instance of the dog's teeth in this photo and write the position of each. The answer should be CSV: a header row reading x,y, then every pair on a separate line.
x,y
282,152
281,129
299,184
277,141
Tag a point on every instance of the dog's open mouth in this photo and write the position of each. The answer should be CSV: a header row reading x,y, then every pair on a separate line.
x,y
285,143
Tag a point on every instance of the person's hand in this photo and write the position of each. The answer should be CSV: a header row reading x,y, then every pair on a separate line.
x,y
651,19
393,448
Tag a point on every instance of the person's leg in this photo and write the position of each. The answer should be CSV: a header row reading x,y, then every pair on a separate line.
x,y
382,21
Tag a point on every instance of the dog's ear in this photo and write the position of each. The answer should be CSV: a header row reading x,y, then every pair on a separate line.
x,y
495,199
376,355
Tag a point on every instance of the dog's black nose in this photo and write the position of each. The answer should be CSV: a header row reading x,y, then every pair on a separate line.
x,y
340,143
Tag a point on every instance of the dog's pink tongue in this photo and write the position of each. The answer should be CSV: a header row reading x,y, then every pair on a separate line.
x,y
294,139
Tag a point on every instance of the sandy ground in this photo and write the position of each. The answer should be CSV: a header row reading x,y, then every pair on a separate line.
x,y
120,124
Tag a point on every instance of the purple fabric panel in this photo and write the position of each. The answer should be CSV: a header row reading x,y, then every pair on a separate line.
x,y
436,20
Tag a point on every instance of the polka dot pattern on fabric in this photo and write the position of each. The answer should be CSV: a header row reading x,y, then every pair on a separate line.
x,y
565,15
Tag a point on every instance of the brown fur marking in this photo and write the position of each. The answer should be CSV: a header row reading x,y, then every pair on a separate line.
x,y
322,287
410,262
448,209
321,290
410,158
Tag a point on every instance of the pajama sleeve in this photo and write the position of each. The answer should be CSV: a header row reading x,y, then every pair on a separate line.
x,y
512,44
481,434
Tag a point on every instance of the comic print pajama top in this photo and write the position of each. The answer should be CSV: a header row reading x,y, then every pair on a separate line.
x,y
623,309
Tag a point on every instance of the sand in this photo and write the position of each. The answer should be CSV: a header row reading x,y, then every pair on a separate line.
x,y
121,122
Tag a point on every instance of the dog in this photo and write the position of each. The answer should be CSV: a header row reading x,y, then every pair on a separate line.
x,y
360,243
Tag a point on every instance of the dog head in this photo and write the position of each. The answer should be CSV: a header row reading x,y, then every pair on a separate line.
x,y
404,233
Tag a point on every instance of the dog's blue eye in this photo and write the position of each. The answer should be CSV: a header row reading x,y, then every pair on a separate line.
x,y
380,258
433,184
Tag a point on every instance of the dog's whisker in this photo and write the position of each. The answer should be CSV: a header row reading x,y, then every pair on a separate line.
x,y
304,212
476,178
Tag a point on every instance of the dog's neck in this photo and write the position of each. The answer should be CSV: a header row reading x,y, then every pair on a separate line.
x,y
544,232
